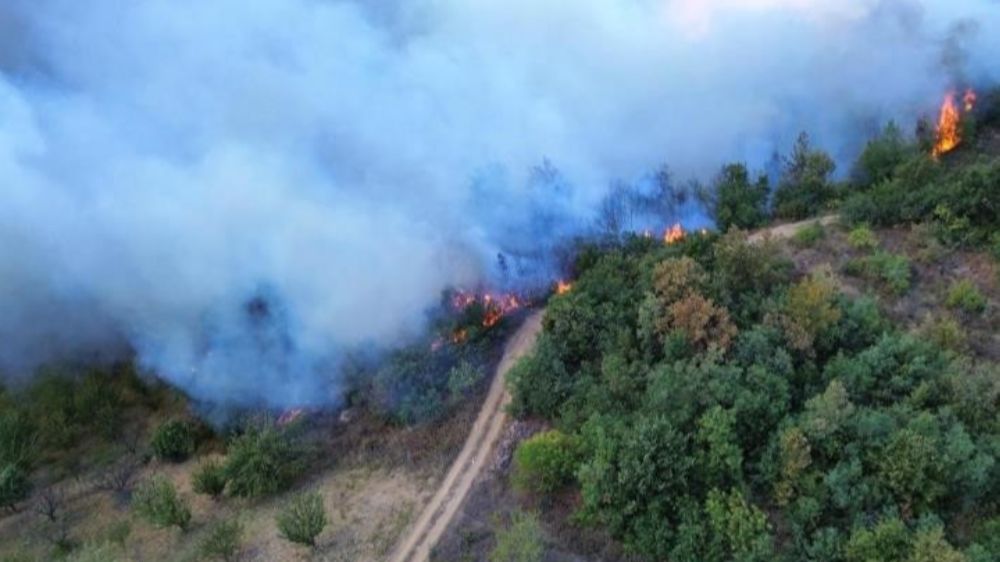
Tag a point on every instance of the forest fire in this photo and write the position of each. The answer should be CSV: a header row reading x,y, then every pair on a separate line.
x,y
674,234
949,134
563,287
495,306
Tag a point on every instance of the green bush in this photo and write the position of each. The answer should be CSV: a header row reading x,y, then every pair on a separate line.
x,y
95,552
862,238
14,485
809,235
892,271
545,462
119,531
881,157
261,461
303,520
17,439
965,296
804,188
174,440
944,332
462,379
209,478
736,201
521,541
156,500
222,541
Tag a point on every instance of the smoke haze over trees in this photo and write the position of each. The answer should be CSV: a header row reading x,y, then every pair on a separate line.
x,y
240,192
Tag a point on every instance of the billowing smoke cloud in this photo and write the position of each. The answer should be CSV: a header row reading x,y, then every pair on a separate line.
x,y
240,191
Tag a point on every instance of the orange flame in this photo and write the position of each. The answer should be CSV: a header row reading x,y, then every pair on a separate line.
x,y
563,287
949,133
673,234
496,306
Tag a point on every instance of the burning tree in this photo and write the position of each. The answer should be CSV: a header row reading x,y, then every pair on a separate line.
x,y
949,127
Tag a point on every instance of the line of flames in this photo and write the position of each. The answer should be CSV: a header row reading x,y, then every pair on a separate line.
x,y
949,132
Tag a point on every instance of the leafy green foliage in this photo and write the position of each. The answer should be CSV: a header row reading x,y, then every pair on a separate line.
x,y
820,432
891,271
174,440
263,460
95,552
303,519
809,235
521,541
209,478
862,237
881,157
804,188
545,462
964,295
14,485
222,541
157,501
736,201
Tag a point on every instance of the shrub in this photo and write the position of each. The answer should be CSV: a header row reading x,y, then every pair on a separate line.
x,y
462,378
222,541
545,462
862,238
119,532
17,439
943,331
805,185
521,541
966,296
539,382
174,440
809,235
94,552
14,485
209,478
261,461
881,157
890,270
702,322
156,500
303,520
736,201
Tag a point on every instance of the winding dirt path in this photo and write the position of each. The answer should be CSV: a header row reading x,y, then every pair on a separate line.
x,y
434,519
789,230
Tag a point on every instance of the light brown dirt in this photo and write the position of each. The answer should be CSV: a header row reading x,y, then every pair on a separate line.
x,y
788,230
476,453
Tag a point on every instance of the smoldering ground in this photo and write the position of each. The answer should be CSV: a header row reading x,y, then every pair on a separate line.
x,y
240,192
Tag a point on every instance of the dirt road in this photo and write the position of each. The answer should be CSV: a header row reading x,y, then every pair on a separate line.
x,y
420,539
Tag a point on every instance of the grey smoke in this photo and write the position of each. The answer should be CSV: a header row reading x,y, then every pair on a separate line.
x,y
242,191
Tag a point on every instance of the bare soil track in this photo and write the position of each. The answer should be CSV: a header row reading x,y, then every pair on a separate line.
x,y
418,541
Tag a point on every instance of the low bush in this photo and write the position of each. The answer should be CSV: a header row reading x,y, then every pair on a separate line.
x,y
521,541
222,541
545,462
809,235
945,332
964,295
862,238
174,440
262,461
303,520
14,485
95,552
892,271
157,501
209,478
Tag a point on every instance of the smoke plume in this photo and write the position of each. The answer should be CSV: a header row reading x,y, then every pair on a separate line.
x,y
242,191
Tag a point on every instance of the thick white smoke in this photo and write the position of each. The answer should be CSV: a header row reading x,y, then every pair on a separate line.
x,y
240,191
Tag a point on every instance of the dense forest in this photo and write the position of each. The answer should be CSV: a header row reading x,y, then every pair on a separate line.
x,y
714,399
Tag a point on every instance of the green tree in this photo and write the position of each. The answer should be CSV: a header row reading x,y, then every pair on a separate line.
x,y
157,501
14,485
740,531
881,156
720,459
303,519
736,201
804,187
